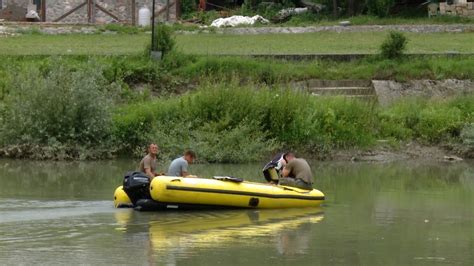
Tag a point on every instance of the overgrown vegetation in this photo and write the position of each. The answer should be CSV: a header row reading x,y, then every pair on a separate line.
x,y
140,78
236,110
58,107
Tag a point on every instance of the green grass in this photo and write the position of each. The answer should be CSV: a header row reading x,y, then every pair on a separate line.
x,y
218,44
307,20
74,44
322,42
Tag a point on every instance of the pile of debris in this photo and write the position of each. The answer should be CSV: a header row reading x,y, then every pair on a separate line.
x,y
237,20
282,16
308,6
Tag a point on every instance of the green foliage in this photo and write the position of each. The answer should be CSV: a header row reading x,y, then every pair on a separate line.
x,y
119,28
164,40
207,17
249,123
439,123
56,106
380,8
394,45
429,121
231,97
228,68
188,7
30,31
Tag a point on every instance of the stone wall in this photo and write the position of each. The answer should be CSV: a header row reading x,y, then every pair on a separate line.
x,y
120,8
22,3
460,8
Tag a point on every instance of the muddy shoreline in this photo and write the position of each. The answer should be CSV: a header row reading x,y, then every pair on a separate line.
x,y
406,151
381,153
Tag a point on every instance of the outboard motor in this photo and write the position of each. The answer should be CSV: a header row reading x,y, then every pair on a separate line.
x,y
137,186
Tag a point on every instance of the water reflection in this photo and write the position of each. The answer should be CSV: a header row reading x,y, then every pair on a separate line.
x,y
175,236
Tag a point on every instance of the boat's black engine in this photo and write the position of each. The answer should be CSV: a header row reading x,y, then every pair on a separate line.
x,y
137,186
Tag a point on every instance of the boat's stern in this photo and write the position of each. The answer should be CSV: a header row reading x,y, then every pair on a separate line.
x,y
121,199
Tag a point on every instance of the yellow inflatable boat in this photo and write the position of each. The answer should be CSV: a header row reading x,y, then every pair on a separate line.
x,y
166,192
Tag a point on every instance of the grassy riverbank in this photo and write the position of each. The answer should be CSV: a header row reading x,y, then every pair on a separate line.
x,y
231,115
181,72
218,44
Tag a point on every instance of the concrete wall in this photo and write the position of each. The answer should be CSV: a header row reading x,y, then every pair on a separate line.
x,y
389,91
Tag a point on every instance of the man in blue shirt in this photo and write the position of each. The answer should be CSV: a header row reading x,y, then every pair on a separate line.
x,y
179,166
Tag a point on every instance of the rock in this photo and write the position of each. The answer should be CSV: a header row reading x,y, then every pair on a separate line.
x,y
452,158
285,14
345,23
315,7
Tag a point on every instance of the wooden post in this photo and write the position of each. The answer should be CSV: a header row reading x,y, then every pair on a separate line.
x,y
70,12
178,9
89,11
43,10
167,10
94,10
134,21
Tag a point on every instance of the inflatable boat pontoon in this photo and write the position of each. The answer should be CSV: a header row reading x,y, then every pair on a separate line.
x,y
166,192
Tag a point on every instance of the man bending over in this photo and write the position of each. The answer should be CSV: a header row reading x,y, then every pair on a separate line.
x,y
296,173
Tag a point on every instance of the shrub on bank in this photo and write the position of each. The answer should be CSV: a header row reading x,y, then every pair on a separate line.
x,y
394,45
432,122
59,106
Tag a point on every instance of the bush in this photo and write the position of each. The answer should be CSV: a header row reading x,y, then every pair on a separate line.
x,y
394,45
188,7
438,123
429,121
230,123
164,41
61,105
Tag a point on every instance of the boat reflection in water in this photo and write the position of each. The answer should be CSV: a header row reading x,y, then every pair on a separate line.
x,y
182,234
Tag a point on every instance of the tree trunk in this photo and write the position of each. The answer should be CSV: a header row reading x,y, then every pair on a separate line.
x,y
350,8
334,8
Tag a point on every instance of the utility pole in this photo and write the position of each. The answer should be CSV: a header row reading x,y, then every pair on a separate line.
x,y
152,26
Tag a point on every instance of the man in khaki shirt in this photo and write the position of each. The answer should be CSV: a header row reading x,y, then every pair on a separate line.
x,y
296,173
148,164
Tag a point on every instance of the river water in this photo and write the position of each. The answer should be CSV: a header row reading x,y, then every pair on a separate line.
x,y
390,213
